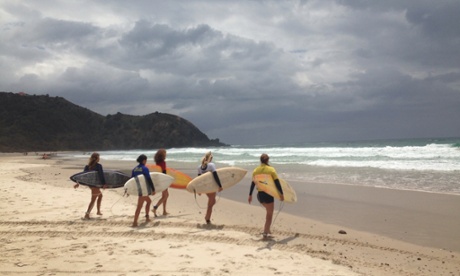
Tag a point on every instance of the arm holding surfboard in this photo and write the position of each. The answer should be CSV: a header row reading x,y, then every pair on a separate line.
x,y
278,186
100,172
141,169
251,190
280,190
210,167
216,178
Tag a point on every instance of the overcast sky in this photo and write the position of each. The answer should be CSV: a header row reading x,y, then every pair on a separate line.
x,y
246,72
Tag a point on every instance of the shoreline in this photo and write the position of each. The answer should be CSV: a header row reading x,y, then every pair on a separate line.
x,y
396,207
54,216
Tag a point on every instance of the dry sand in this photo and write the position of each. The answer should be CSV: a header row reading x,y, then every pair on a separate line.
x,y
42,233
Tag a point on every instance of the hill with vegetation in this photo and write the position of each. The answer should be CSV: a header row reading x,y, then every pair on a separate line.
x,y
43,123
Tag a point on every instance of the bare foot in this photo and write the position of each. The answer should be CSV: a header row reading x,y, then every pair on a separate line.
x,y
266,236
134,224
154,210
86,216
147,220
165,213
99,213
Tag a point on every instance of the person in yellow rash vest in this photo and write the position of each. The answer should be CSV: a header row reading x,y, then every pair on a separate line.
x,y
265,199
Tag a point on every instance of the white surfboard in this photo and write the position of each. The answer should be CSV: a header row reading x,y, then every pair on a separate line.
x,y
138,186
206,183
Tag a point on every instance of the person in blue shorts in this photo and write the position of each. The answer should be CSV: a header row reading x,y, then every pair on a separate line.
x,y
141,169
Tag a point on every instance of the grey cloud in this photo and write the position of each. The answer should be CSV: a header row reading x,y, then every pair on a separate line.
x,y
438,19
50,31
382,69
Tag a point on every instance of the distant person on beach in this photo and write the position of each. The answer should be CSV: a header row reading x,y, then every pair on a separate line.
x,y
159,158
138,170
265,199
96,194
207,166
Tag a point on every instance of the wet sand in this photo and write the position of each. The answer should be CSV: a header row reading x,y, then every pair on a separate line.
x,y
422,218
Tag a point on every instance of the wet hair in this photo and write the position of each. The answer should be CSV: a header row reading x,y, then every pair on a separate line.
x,y
206,158
264,158
160,156
93,160
141,158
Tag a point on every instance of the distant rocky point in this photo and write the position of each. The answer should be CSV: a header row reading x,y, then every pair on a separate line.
x,y
43,123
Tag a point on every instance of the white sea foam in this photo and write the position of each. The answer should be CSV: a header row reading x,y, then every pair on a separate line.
x,y
416,166
438,157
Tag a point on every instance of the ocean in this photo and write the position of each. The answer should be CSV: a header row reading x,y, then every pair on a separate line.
x,y
429,165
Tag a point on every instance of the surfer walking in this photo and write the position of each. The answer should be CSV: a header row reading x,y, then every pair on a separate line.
x,y
265,199
96,194
159,158
138,170
207,166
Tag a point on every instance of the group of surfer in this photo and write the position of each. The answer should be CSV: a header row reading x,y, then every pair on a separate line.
x,y
206,166
141,168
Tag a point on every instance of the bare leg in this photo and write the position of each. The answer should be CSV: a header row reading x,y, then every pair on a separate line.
x,y
165,195
154,210
270,207
140,202
95,192
99,200
147,209
211,202
155,207
162,201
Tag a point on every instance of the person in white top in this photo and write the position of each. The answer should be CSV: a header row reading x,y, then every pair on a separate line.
x,y
207,166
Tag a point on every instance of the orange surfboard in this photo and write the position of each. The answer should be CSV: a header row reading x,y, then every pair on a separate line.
x,y
180,179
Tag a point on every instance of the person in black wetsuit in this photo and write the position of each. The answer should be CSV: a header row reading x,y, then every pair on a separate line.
x,y
96,194
138,170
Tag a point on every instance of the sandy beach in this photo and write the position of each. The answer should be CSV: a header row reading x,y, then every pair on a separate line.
x,y
42,231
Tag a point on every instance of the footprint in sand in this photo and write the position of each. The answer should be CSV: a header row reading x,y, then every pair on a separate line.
x,y
176,246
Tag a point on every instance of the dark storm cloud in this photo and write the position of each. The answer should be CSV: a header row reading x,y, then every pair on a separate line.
x,y
437,21
249,72
429,35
